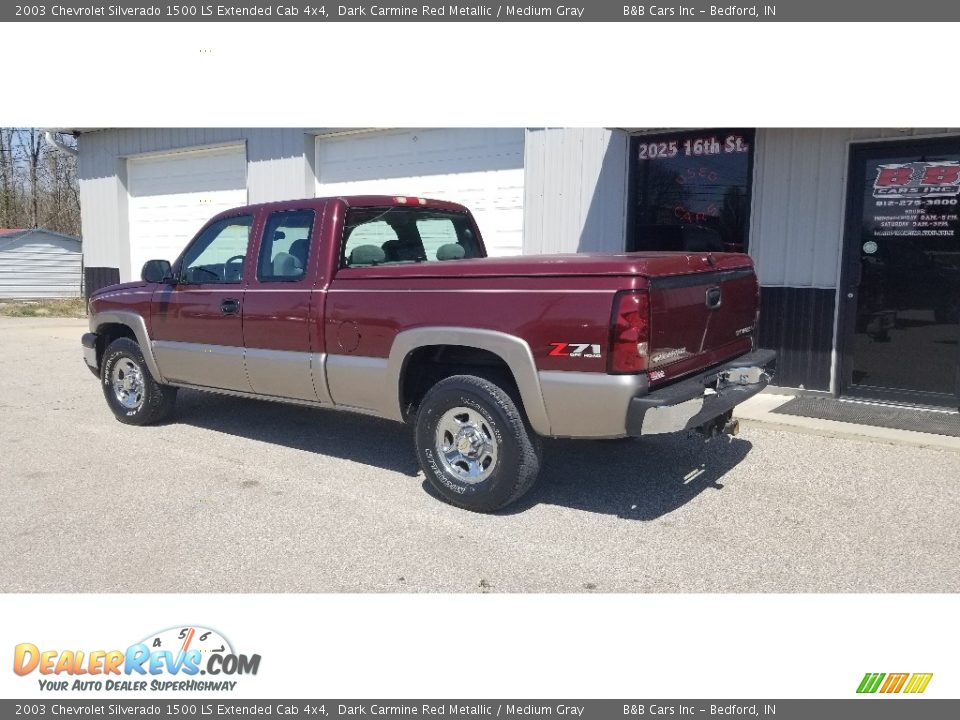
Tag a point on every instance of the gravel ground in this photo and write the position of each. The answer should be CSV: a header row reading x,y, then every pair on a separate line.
x,y
245,496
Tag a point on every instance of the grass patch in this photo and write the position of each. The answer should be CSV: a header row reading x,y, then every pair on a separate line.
x,y
70,308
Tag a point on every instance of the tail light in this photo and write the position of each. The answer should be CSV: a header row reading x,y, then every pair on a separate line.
x,y
630,332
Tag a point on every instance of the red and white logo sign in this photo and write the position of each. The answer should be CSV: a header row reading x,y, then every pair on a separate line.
x,y
575,350
923,179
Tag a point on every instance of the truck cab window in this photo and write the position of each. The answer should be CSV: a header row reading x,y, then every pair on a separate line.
x,y
363,241
217,255
285,246
435,233
396,235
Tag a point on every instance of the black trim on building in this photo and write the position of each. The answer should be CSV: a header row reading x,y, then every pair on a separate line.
x,y
798,324
95,278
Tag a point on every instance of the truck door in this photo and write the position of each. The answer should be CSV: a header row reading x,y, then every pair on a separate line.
x,y
196,322
277,306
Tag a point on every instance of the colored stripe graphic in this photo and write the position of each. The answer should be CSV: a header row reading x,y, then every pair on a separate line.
x,y
870,682
918,683
894,682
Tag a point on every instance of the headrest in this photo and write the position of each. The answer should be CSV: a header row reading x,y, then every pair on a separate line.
x,y
286,265
450,251
367,255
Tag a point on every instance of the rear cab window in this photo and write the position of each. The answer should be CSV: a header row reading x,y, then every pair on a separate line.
x,y
403,235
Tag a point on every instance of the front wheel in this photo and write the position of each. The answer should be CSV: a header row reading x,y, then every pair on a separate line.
x,y
474,444
132,393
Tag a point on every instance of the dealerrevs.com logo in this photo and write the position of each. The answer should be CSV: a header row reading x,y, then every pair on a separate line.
x,y
179,658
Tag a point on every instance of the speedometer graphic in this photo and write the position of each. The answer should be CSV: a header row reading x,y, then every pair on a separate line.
x,y
186,638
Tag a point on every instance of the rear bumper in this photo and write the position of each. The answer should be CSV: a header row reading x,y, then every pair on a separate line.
x,y
89,343
698,400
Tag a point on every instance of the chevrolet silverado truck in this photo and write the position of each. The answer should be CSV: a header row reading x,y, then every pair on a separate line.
x,y
390,306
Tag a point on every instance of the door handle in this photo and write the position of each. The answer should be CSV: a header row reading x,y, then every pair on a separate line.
x,y
230,306
714,298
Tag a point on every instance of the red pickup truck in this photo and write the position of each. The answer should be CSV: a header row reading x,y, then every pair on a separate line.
x,y
390,306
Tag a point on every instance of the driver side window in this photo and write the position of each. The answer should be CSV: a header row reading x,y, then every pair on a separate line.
x,y
217,255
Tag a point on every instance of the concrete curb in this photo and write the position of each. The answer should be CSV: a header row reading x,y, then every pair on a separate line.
x,y
758,412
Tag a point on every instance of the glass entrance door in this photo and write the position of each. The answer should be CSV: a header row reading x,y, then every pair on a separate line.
x,y
902,292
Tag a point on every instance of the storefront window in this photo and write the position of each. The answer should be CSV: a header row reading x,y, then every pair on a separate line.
x,y
691,191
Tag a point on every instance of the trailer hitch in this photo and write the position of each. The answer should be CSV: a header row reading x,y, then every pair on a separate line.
x,y
725,424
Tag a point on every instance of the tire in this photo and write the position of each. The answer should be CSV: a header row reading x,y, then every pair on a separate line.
x,y
492,457
132,393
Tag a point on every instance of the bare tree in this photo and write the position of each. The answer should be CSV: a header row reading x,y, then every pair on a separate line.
x,y
6,175
38,183
31,142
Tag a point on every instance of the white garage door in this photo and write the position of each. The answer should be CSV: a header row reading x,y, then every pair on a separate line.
x,y
479,168
172,196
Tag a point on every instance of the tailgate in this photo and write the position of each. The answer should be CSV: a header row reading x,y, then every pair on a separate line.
x,y
700,319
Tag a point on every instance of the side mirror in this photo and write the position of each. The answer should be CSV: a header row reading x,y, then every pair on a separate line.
x,y
156,271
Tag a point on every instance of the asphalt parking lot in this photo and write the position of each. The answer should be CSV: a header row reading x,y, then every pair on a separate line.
x,y
245,496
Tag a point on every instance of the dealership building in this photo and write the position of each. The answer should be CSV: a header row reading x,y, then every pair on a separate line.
x,y
854,232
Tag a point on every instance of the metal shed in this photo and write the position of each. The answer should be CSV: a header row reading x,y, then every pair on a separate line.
x,y
39,263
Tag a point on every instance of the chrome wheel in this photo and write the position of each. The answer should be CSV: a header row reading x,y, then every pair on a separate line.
x,y
466,445
127,381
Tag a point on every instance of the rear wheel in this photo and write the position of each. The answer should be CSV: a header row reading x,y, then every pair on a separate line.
x,y
474,445
132,393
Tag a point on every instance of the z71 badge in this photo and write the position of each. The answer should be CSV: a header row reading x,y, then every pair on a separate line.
x,y
584,350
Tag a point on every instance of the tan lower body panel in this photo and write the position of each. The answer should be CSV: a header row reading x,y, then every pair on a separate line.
x,y
585,405
283,373
216,366
360,382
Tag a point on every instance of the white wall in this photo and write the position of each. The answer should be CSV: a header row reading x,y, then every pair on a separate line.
x,y
575,190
